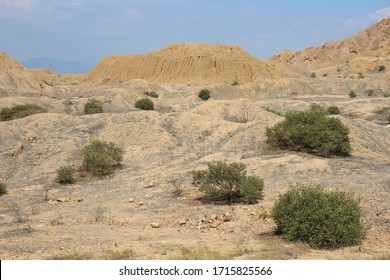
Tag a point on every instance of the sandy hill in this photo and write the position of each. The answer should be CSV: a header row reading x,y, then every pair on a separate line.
x,y
185,63
13,76
361,52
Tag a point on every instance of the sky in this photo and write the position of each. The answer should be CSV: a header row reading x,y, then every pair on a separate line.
x,y
87,30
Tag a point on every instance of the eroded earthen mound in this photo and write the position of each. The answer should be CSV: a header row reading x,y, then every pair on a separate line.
x,y
185,63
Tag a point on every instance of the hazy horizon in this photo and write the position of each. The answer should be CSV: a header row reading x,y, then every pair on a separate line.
x,y
85,31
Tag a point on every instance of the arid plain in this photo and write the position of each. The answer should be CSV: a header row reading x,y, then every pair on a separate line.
x,y
136,212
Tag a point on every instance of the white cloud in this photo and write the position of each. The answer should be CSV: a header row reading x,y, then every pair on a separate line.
x,y
23,4
380,14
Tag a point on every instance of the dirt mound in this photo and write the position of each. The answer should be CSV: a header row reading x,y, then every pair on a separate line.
x,y
363,51
14,76
185,63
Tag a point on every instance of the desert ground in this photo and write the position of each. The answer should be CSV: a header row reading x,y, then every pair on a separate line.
x,y
137,213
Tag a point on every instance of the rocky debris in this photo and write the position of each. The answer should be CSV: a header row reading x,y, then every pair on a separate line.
x,y
131,200
17,150
212,221
62,199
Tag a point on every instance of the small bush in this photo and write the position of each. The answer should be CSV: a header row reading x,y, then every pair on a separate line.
x,y
151,94
100,158
386,95
228,183
65,175
360,76
370,92
144,104
313,75
204,94
352,94
3,188
317,107
325,220
381,68
312,132
93,107
20,111
235,83
333,110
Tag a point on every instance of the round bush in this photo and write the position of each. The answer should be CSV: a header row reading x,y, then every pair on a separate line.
x,y
100,158
352,94
325,220
3,188
310,131
151,94
228,183
144,104
333,110
65,175
93,107
204,94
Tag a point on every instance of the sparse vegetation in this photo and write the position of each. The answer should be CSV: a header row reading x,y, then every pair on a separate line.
x,y
370,92
235,83
227,183
151,94
313,75
178,186
381,68
65,175
205,253
325,220
144,104
352,94
317,107
100,158
20,111
3,188
310,131
93,107
360,76
204,94
333,110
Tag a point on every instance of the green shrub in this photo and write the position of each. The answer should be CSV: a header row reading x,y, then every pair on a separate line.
x,y
317,107
333,110
381,68
93,107
20,111
370,92
144,104
352,94
100,158
312,132
65,175
3,188
151,94
228,183
204,94
386,95
325,220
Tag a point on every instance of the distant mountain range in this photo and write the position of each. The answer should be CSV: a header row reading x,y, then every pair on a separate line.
x,y
59,66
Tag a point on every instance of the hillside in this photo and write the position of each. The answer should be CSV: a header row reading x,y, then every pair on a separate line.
x,y
362,52
185,63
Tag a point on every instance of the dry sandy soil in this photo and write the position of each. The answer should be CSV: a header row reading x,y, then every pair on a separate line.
x,y
135,213
112,217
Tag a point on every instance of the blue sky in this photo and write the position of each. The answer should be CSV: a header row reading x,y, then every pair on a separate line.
x,y
87,30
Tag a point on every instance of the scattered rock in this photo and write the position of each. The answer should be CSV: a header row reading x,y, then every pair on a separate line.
x,y
52,202
155,225
183,222
62,199
80,200
141,203
17,150
131,200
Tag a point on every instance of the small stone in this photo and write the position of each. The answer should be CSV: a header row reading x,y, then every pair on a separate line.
x,y
183,222
227,217
142,208
52,202
155,225
131,200
61,199
141,203
80,200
